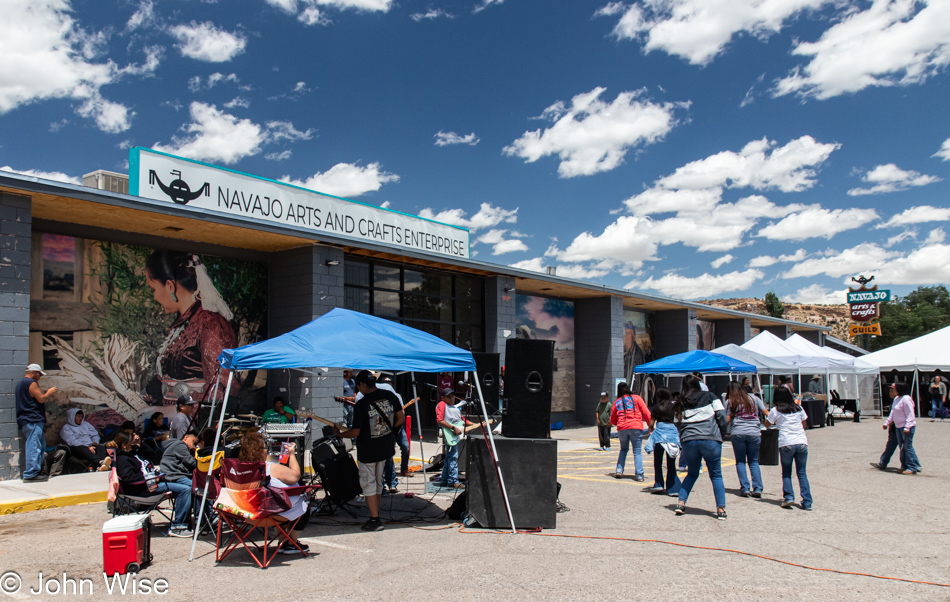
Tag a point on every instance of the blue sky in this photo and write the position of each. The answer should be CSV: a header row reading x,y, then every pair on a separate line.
x,y
690,148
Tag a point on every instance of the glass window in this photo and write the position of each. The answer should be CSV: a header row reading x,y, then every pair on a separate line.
x,y
355,273
421,307
385,276
431,283
468,312
357,299
467,287
470,337
59,267
385,304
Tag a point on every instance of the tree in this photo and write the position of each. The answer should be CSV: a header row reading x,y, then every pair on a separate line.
x,y
922,311
773,306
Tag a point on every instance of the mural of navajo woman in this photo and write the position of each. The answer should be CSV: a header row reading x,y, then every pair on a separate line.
x,y
145,326
551,320
637,342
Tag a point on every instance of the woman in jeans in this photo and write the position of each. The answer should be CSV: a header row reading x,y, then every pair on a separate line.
x,y
905,424
630,415
792,445
701,420
664,439
744,412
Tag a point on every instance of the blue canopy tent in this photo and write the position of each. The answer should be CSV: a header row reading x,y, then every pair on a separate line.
x,y
343,338
704,362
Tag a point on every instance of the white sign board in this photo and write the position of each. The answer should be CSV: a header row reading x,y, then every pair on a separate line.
x,y
162,177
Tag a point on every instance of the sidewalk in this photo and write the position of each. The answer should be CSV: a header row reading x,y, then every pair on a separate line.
x,y
66,490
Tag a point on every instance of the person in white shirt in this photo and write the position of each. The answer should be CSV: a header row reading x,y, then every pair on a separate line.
x,y
793,445
905,424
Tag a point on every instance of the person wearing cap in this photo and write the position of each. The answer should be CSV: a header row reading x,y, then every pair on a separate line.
x,y
31,418
376,416
603,421
449,417
181,422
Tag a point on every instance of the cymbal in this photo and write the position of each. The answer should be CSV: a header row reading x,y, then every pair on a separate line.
x,y
249,416
232,420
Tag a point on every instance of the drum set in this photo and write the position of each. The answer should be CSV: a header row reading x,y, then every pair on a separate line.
x,y
235,427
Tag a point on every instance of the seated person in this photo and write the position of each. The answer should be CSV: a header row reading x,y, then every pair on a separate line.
x,y
155,425
178,459
132,469
151,449
83,440
128,427
279,414
206,445
254,449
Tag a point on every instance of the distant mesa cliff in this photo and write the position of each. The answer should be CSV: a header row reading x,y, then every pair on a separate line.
x,y
838,317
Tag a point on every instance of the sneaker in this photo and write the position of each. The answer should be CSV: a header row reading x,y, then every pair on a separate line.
x,y
787,504
745,494
290,549
878,465
618,475
39,478
655,489
804,507
680,510
373,524
638,479
181,532
721,514
106,464
756,494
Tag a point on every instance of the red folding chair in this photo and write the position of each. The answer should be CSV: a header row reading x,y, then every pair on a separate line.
x,y
246,507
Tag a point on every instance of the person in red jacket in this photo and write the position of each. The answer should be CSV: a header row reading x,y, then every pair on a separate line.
x,y
630,415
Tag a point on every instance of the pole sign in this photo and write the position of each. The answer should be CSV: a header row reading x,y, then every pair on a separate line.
x,y
863,312
872,329
195,185
869,296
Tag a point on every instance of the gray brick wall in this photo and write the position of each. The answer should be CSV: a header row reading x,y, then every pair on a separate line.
x,y
674,333
598,352
779,330
736,331
499,313
302,288
15,231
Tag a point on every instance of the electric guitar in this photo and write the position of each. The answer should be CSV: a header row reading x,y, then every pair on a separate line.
x,y
449,436
353,403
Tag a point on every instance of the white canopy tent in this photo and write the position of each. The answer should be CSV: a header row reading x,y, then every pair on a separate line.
x,y
763,363
926,353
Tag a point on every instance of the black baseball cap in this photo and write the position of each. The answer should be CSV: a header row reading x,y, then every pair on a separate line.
x,y
366,377
447,392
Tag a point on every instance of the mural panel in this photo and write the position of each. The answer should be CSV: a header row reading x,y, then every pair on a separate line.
x,y
551,320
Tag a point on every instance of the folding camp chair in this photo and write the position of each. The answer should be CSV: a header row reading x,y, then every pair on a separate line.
x,y
246,506
140,504
198,477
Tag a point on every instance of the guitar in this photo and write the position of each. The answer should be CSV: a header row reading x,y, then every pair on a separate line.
x,y
353,403
451,438
308,414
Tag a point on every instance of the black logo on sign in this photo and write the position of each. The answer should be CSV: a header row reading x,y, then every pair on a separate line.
x,y
178,190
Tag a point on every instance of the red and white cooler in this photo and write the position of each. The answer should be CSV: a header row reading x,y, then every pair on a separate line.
x,y
126,543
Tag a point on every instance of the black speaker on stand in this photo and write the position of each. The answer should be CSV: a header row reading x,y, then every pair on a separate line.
x,y
529,376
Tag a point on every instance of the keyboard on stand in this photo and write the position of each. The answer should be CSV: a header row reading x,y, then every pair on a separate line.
x,y
286,430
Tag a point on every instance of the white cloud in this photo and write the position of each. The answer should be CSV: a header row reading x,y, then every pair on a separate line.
x,y
214,135
816,294
431,14
346,180
721,261
891,178
359,5
573,271
56,176
194,84
591,135
288,6
944,152
385,204
921,214
205,42
891,43
281,156
535,264
488,216
700,287
765,261
760,165
143,17
312,16
698,30
928,264
899,238
46,56
237,101
446,138
500,244
863,257
816,222
485,4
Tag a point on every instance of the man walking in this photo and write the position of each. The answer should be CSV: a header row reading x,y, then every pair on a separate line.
x,y
603,421
31,418
938,397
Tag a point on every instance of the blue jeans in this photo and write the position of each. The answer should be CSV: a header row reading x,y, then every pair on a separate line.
x,y
891,445
628,437
181,493
450,466
672,484
389,470
348,415
909,459
937,403
798,453
35,446
746,448
711,452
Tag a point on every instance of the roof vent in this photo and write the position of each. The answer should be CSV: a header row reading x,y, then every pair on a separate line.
x,y
107,180
552,270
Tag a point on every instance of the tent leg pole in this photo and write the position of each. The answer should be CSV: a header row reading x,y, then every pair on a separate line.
x,y
916,385
214,452
415,395
214,396
494,452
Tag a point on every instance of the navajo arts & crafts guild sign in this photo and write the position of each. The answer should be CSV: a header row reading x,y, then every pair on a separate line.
x,y
865,306
162,177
